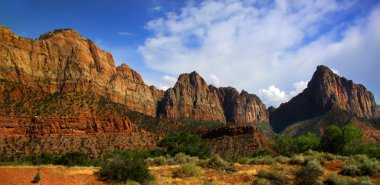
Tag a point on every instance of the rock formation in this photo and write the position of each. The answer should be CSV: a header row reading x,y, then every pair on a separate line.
x,y
64,61
191,98
235,141
325,91
241,107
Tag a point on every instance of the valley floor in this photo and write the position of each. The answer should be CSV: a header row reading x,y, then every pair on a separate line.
x,y
59,175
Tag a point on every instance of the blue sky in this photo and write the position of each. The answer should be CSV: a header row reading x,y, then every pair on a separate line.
x,y
270,49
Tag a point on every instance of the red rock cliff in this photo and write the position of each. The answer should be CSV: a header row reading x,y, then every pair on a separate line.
x,y
241,107
64,61
325,91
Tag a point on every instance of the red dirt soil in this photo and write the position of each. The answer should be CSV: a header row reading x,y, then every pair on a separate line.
x,y
49,175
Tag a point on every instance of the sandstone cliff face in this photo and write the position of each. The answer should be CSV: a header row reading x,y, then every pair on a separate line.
x,y
241,107
64,61
325,91
235,141
191,98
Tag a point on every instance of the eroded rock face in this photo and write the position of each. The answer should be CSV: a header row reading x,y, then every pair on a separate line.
x,y
190,98
64,61
235,141
325,91
241,107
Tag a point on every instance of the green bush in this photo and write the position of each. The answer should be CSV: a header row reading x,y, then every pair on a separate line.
x,y
272,175
74,159
182,158
339,139
185,142
260,153
309,174
333,179
361,165
122,168
298,159
351,170
266,160
288,145
216,162
157,160
261,181
243,160
187,170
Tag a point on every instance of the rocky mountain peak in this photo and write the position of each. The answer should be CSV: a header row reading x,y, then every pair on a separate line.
x,y
325,91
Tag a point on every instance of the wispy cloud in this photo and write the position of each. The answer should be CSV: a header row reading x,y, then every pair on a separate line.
x,y
157,8
125,34
254,45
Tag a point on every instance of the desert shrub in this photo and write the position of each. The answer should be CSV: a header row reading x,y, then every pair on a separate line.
x,y
182,158
122,168
74,159
309,174
370,167
157,160
185,142
282,159
361,165
272,175
36,178
188,170
263,160
216,162
260,153
243,160
333,179
351,170
143,154
261,181
298,159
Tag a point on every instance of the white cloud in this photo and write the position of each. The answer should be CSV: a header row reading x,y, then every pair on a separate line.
x,y
275,96
214,80
167,82
252,44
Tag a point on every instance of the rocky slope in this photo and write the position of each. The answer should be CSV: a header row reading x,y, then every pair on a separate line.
x,y
325,91
63,61
241,107
234,141
192,98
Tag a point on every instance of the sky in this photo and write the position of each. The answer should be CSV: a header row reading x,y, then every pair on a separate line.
x,y
267,47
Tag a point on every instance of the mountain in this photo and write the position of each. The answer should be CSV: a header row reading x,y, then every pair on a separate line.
x,y
326,91
192,98
61,93
63,61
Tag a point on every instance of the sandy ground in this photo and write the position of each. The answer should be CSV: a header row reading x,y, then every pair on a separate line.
x,y
57,175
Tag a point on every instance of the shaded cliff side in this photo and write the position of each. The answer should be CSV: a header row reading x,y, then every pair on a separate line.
x,y
325,91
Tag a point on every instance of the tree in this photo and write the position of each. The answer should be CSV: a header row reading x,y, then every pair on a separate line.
x,y
185,142
340,139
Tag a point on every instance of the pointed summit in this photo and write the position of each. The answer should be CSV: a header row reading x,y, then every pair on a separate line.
x,y
325,91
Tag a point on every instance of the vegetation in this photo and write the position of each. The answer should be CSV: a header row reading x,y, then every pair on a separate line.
x,y
288,145
185,142
187,170
36,178
122,168
216,162
309,174
274,176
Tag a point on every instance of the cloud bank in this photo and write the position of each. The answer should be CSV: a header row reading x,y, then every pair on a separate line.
x,y
265,47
